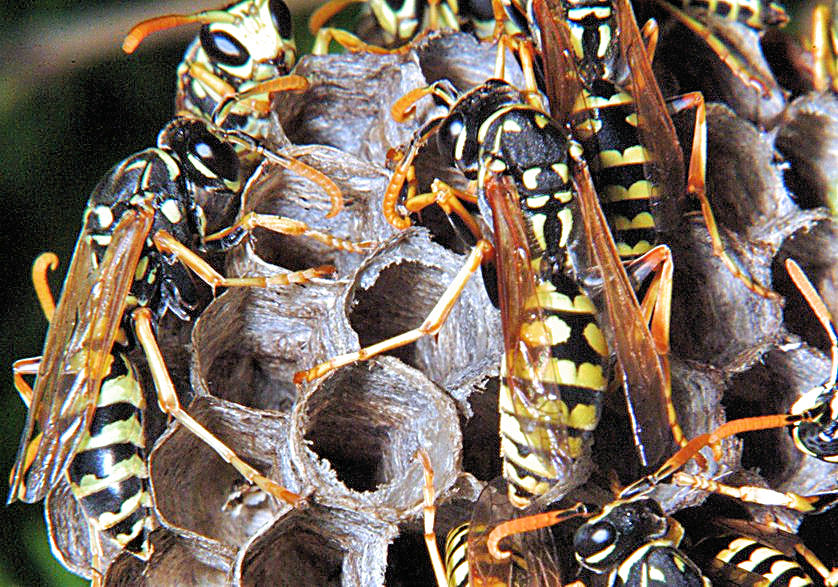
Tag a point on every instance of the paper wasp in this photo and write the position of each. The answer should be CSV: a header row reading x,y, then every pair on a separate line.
x,y
242,54
130,267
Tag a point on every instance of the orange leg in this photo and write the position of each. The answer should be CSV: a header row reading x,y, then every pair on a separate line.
x,y
292,227
430,326
747,493
697,187
23,367
824,49
43,262
429,516
650,33
170,405
166,243
351,43
324,14
524,48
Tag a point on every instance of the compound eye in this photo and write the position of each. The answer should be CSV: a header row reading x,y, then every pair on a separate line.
x,y
213,158
448,135
593,539
480,9
223,48
281,17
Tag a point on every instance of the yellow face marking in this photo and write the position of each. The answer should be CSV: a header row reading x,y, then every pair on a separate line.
x,y
530,178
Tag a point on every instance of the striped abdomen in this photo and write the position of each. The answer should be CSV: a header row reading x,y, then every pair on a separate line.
x,y
606,125
756,14
744,561
108,473
552,381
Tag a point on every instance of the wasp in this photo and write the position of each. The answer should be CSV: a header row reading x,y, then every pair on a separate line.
x,y
242,54
399,23
131,266
823,45
632,542
744,552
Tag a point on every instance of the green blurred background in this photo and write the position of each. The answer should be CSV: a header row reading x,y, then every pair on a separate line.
x,y
71,106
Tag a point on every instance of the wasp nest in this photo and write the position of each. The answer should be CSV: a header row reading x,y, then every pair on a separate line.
x,y
348,441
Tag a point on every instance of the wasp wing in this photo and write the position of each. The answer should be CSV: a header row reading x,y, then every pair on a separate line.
x,y
645,373
77,355
657,133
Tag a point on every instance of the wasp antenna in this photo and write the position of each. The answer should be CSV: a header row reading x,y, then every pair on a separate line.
x,y
170,21
818,306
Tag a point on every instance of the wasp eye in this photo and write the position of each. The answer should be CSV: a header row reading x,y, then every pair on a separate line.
x,y
281,17
480,9
592,539
448,135
210,155
223,48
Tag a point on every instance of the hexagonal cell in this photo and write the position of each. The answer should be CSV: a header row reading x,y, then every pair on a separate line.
x,y
249,342
808,138
316,546
176,560
347,104
393,291
355,435
195,490
683,56
276,190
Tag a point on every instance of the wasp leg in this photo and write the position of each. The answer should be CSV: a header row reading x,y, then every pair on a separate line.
x,y
429,515
430,326
258,95
23,367
657,311
170,405
524,48
697,187
42,263
528,524
692,448
292,227
650,32
830,576
748,493
824,63
166,243
96,556
740,69
324,14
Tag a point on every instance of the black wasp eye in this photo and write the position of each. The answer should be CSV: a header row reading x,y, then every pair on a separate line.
x,y
217,157
448,134
281,17
223,48
397,5
480,9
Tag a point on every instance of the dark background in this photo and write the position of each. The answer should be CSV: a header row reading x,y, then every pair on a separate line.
x,y
71,106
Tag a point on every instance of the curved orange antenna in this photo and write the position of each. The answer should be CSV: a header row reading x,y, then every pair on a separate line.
x,y
44,262
323,14
528,524
169,21
286,83
403,108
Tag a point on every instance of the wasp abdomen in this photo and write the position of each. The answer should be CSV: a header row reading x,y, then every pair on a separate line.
x,y
108,473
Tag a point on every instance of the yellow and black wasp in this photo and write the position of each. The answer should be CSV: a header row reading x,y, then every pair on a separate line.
x,y
633,543
130,267
242,54
736,552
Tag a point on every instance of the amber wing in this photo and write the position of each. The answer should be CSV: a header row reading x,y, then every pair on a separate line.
x,y
77,355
